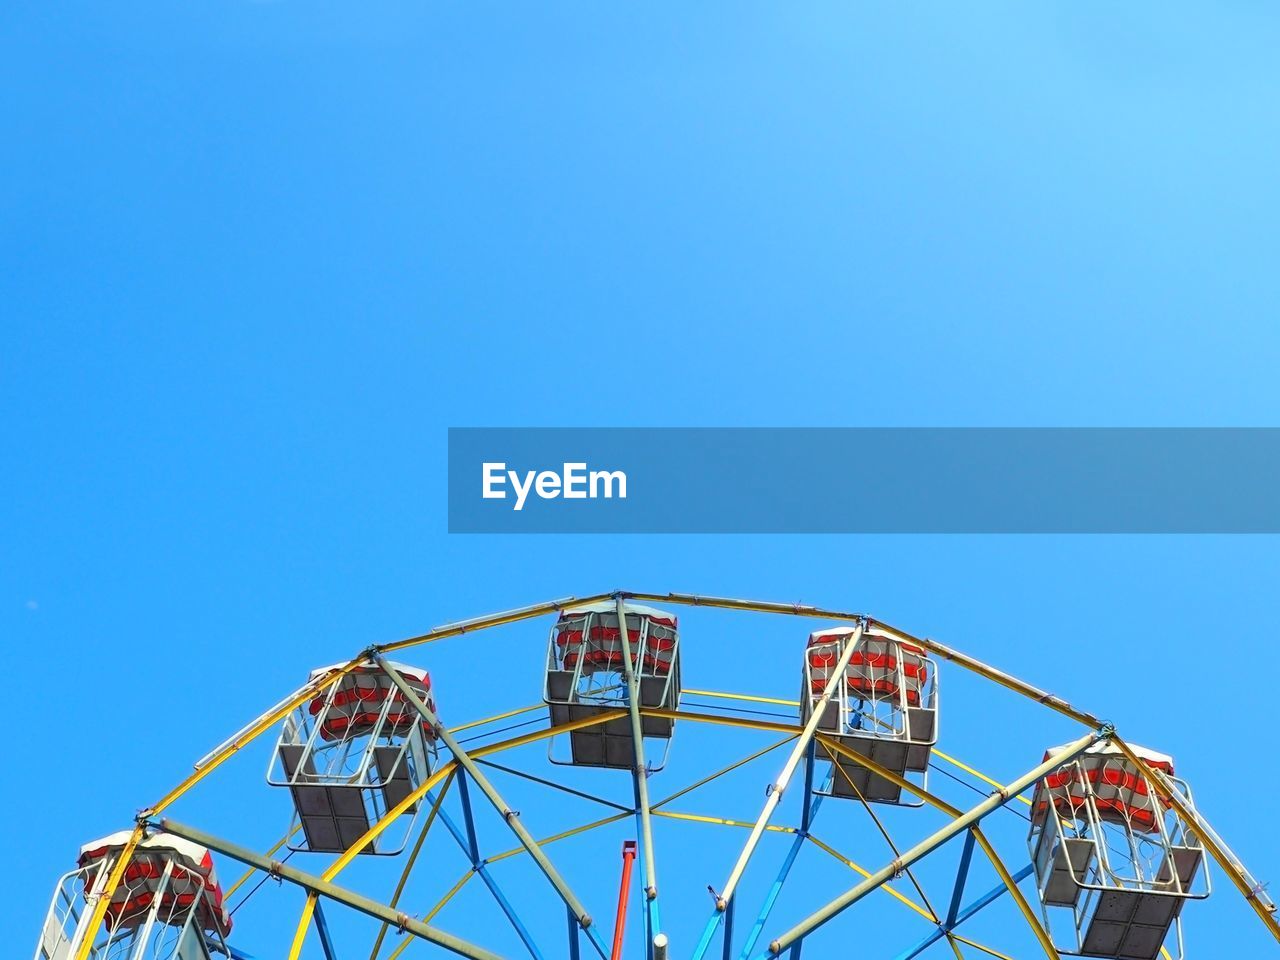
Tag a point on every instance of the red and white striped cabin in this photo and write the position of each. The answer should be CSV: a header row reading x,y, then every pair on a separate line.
x,y
192,882
880,668
590,633
355,703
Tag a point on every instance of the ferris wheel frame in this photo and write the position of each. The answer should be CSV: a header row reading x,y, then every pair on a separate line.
x,y
466,765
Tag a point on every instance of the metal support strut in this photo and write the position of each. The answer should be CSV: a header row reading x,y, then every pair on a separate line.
x,y
809,809
321,887
637,737
957,826
960,916
512,817
797,753
624,891
469,846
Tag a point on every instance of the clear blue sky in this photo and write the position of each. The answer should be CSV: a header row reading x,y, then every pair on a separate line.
x,y
258,256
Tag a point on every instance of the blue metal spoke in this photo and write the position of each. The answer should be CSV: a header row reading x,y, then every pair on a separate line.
x,y
988,898
322,928
708,934
962,874
472,846
574,953
810,805
812,802
469,846
728,929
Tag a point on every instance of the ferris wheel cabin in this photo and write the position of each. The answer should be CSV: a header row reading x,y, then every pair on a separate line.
x,y
168,905
586,677
884,708
352,753
1112,857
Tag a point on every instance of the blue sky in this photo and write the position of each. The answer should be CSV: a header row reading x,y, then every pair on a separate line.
x,y
259,256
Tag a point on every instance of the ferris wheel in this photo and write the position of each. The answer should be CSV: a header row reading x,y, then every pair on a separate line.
x,y
400,832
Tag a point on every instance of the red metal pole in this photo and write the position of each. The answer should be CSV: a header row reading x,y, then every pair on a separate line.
x,y
624,891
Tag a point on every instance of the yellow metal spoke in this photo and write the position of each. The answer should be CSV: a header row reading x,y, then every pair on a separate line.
x,y
252,870
563,835
975,773
893,847
983,947
1033,920
496,717
745,697
304,924
408,867
462,881
720,821
721,772
453,892
887,888
896,894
